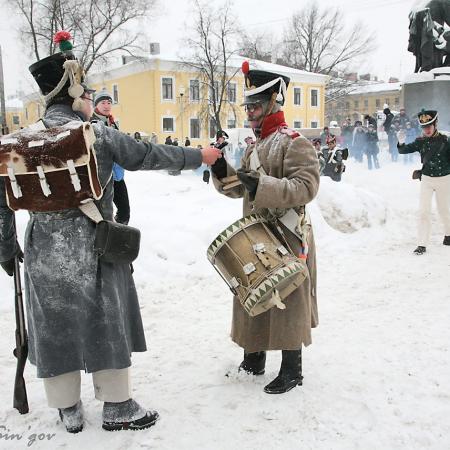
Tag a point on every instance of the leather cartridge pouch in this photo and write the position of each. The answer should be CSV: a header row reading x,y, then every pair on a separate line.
x,y
116,243
417,174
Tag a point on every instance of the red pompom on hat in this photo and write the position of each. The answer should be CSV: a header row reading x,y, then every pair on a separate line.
x,y
62,38
245,67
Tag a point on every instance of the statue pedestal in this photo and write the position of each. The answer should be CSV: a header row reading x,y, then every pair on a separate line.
x,y
429,90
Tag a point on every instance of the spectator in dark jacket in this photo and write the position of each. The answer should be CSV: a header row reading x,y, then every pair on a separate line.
x,y
187,142
372,149
168,140
402,118
388,121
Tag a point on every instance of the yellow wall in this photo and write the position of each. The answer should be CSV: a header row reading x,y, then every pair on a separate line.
x,y
14,119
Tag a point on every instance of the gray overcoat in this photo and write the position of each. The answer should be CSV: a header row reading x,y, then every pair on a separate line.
x,y
292,180
82,313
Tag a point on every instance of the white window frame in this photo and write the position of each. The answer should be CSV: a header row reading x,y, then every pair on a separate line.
x,y
115,90
315,120
301,123
235,92
199,91
199,128
318,98
301,96
174,124
167,100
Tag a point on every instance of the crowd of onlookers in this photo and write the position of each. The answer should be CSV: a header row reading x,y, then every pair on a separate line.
x,y
362,138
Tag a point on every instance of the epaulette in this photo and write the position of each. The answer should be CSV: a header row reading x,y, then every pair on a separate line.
x,y
290,132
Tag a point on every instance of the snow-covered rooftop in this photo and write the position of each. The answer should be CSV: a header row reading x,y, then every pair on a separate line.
x,y
376,87
14,103
171,62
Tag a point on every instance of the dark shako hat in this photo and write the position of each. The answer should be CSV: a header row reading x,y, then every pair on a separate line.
x,y
260,85
427,117
221,133
60,75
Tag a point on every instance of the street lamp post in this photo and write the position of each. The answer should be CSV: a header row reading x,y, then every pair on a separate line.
x,y
181,93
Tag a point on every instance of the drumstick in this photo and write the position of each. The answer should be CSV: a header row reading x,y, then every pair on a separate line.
x,y
227,180
231,185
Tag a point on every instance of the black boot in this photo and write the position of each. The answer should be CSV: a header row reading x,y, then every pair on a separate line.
x,y
420,250
127,415
72,417
253,363
446,240
290,374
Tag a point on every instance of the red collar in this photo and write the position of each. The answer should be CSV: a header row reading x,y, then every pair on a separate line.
x,y
271,124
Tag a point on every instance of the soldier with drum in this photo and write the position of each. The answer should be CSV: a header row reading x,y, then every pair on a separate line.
x,y
276,182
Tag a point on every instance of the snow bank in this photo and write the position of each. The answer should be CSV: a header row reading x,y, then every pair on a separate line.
x,y
347,208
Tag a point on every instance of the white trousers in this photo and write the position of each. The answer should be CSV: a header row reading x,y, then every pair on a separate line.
x,y
111,385
441,186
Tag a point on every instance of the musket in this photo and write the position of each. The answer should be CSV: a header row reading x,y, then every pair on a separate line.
x,y
20,401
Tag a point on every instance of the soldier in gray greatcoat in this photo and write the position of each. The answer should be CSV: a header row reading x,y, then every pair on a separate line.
x,y
83,313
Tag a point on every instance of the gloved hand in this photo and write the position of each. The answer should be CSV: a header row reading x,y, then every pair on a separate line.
x,y
8,266
250,180
219,168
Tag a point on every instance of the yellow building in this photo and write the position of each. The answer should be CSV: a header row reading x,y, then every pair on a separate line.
x,y
366,99
166,97
14,115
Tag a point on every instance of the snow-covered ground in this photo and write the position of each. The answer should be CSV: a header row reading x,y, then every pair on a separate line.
x,y
376,377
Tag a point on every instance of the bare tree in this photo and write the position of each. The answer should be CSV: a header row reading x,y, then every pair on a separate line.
x,y
212,43
318,41
256,46
99,27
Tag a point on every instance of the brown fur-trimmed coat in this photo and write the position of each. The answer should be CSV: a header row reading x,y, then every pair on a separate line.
x,y
292,180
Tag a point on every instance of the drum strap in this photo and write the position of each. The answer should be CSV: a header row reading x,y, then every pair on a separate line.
x,y
297,224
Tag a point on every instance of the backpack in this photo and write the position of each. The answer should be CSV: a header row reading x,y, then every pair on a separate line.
x,y
50,169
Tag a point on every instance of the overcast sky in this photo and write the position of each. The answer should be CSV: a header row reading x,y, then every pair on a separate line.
x,y
387,18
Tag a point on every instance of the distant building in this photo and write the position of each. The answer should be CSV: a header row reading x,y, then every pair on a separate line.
x,y
365,99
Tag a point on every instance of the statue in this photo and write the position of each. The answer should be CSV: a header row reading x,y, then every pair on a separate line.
x,y
429,34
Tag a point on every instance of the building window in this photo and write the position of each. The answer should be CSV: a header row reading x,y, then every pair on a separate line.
x,y
386,100
195,129
26,113
314,124
298,96
212,128
16,120
231,123
167,89
397,101
115,94
297,124
356,103
347,105
314,97
246,124
366,103
194,90
216,92
167,124
231,92
377,103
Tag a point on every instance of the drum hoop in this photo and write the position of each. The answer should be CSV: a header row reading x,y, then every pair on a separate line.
x,y
230,231
282,273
